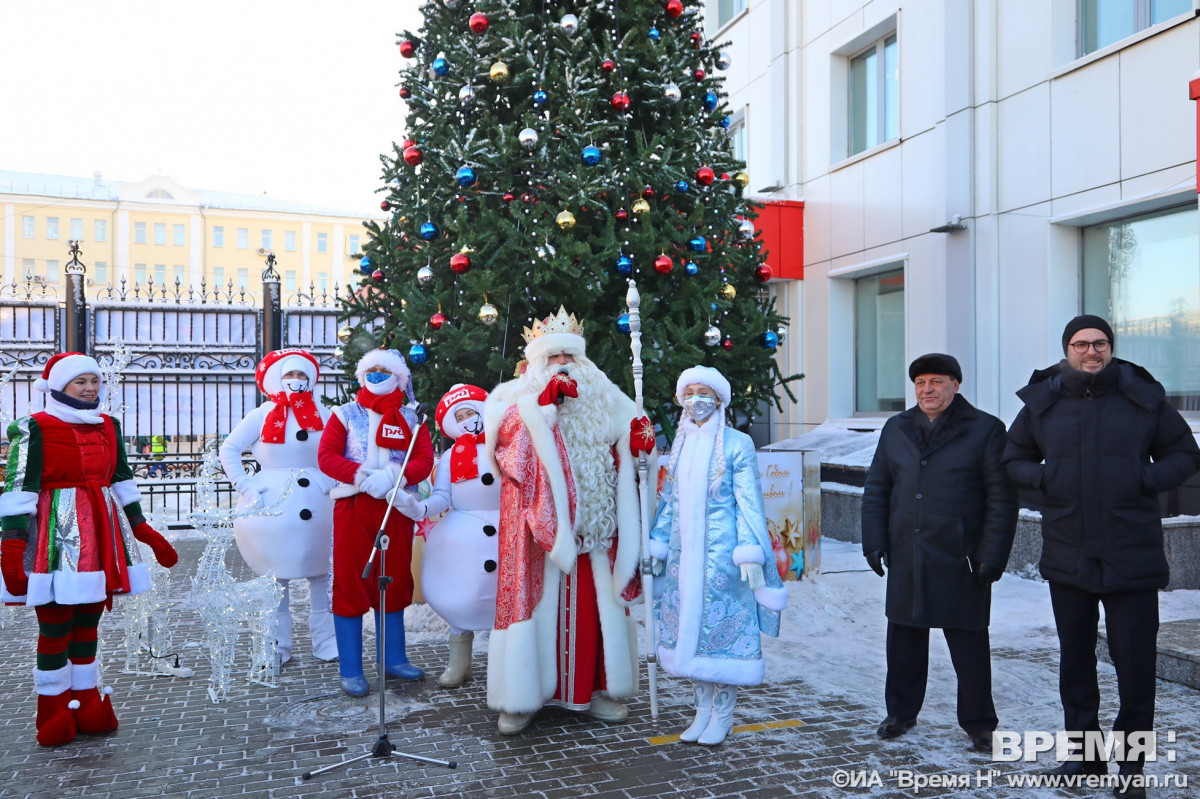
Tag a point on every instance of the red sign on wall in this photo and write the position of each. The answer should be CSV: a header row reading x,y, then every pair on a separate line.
x,y
781,225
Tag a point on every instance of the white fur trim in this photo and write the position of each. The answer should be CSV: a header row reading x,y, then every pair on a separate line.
x,y
617,629
139,579
771,598
52,682
391,360
748,553
342,490
723,670
9,598
18,503
659,549
66,588
84,675
67,369
629,515
522,668
549,344
272,380
705,376
541,431
126,492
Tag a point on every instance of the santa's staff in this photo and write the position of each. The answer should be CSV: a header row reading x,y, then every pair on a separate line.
x,y
634,301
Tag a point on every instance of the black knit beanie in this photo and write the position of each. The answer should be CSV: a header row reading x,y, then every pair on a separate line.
x,y
1083,323
935,363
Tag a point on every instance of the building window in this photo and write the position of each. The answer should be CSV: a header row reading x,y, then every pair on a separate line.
x,y
727,10
160,274
100,269
289,280
243,279
737,135
1102,22
139,232
160,233
139,273
218,276
218,236
266,240
100,230
354,245
28,268
28,227
51,272
77,229
180,274
880,379
875,95
243,238
1142,273
178,236
322,242
52,227
322,281
289,240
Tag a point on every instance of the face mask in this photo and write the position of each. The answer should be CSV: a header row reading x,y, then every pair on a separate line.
x,y
700,407
474,425
296,386
377,377
380,383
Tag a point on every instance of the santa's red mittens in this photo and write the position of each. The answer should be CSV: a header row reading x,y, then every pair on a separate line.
x,y
164,553
12,566
559,388
641,436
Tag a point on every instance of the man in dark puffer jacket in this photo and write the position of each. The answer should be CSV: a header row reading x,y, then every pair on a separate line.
x,y
1099,440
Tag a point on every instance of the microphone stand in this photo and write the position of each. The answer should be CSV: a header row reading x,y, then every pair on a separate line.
x,y
384,747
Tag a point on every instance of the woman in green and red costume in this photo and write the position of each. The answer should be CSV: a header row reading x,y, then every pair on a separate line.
x,y
70,516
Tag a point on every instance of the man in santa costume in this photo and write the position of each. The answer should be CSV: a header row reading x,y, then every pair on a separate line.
x,y
70,516
561,436
363,447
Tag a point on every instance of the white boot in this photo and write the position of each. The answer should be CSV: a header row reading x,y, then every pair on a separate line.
x,y
458,670
283,628
724,700
320,619
704,699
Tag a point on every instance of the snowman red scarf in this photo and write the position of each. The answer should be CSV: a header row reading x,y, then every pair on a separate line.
x,y
274,429
393,431
464,457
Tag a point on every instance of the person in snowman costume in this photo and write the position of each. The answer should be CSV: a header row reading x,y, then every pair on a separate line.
x,y
363,448
284,434
458,568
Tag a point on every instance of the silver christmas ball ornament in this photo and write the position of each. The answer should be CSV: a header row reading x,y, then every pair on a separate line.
x,y
466,95
528,138
747,228
723,60
672,93
712,336
488,314
424,275
569,24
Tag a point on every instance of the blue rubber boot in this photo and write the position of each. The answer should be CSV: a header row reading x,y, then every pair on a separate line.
x,y
348,632
395,658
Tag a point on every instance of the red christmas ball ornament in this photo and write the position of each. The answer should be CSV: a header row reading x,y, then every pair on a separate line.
x,y
725,176
377,275
508,197
663,264
696,39
621,214
385,206
404,145
727,344
405,92
437,320
620,101
408,48
699,75
478,22
608,65
460,263
412,155
705,175
763,273
674,8
648,192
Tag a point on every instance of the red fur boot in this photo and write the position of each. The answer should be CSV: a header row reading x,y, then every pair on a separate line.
x,y
95,715
55,719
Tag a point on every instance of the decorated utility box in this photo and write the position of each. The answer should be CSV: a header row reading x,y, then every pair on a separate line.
x,y
791,486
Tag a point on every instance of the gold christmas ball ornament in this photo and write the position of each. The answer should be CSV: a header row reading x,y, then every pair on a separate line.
x,y
345,333
499,72
728,291
641,207
565,220
741,180
488,314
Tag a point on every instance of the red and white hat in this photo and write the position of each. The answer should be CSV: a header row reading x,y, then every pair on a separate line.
x,y
705,376
277,363
460,395
65,367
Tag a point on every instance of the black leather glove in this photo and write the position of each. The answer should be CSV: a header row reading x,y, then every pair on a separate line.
x,y
985,575
877,559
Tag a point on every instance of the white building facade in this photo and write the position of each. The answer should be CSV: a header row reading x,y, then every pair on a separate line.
x,y
974,173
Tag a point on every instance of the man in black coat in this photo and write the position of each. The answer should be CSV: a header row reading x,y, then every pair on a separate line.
x,y
1099,440
940,513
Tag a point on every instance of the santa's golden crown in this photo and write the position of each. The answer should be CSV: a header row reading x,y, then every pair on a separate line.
x,y
561,322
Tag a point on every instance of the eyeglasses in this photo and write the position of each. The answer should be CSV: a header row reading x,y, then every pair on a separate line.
x,y
1099,346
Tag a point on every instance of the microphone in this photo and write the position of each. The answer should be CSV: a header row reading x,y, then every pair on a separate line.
x,y
561,397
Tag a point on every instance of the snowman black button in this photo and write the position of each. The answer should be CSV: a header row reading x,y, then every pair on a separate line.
x,y
489,530
306,514
302,435
487,479
302,482
489,566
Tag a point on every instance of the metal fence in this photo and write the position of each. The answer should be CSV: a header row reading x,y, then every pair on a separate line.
x,y
188,358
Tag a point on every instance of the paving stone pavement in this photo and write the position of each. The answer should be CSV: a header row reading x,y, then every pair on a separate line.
x,y
174,742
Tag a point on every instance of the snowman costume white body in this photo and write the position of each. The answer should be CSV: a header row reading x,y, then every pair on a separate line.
x,y
296,541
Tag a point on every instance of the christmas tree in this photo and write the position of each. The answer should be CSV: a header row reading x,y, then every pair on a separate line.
x,y
554,151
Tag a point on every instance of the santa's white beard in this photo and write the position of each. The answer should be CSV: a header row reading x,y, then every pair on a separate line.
x,y
583,421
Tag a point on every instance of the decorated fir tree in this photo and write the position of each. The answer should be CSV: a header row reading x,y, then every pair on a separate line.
x,y
555,149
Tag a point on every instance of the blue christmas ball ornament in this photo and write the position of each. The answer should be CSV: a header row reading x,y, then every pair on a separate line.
x,y
417,354
441,66
624,265
540,97
710,101
713,306
591,155
770,340
465,176
681,186
691,268
365,265
429,231
698,244
654,34
623,323
725,122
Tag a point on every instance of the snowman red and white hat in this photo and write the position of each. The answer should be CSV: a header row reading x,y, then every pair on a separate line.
x,y
277,363
705,376
65,367
460,395
391,360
